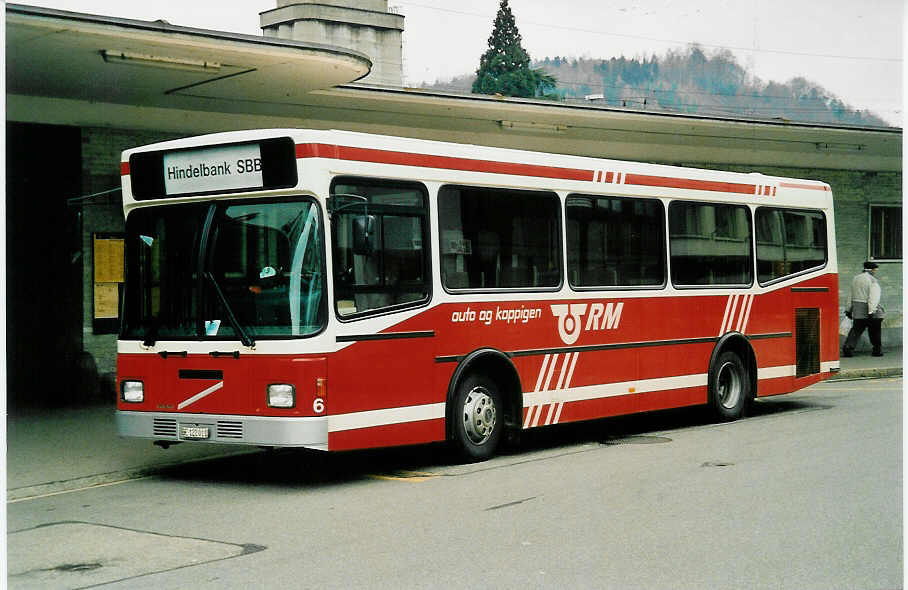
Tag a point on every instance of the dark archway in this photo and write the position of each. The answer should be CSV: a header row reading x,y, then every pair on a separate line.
x,y
43,267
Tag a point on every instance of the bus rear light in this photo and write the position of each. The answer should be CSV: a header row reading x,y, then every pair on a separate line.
x,y
321,387
132,392
281,395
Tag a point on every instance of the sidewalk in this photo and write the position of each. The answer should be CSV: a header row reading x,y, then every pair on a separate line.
x,y
862,365
51,451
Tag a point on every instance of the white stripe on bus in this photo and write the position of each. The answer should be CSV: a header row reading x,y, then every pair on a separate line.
x,y
537,400
743,313
592,392
725,317
558,413
200,395
385,417
776,372
548,378
829,366
564,367
750,303
536,417
545,363
551,414
731,314
534,414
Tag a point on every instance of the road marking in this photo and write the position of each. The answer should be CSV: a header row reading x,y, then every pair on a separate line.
x,y
509,504
82,489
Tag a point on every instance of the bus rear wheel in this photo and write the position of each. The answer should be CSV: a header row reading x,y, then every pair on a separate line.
x,y
478,418
729,387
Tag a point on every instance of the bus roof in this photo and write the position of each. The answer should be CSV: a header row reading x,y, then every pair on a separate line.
x,y
429,157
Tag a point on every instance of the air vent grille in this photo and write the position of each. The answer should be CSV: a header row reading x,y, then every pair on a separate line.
x,y
807,341
165,427
230,429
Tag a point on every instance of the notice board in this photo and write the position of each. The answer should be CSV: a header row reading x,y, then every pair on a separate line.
x,y
108,264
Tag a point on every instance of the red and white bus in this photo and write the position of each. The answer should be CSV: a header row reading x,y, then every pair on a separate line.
x,y
338,290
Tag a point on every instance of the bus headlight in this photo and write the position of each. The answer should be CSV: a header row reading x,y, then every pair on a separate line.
x,y
132,392
281,395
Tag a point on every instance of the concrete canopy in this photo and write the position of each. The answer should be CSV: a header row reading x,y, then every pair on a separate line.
x,y
52,53
607,132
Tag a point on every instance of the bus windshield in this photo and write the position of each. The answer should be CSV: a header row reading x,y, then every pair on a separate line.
x,y
226,270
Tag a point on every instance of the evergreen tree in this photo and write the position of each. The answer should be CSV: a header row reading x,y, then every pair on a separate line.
x,y
505,66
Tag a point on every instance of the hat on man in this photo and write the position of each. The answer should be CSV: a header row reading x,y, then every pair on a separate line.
x,y
870,264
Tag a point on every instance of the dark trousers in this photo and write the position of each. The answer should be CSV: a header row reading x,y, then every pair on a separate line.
x,y
872,325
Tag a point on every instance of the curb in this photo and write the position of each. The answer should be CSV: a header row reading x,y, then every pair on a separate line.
x,y
870,373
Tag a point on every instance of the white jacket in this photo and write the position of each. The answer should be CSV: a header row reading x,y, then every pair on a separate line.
x,y
865,296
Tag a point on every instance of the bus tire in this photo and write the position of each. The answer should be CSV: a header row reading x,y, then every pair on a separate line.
x,y
478,418
729,387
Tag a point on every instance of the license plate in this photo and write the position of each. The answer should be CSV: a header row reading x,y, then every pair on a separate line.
x,y
194,432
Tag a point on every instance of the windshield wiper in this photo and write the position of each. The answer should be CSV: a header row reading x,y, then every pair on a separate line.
x,y
244,337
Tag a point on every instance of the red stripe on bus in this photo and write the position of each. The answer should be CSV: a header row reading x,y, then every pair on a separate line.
x,y
810,187
124,168
444,162
689,183
316,150
337,152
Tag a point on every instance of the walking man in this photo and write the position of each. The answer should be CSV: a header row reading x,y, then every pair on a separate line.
x,y
865,310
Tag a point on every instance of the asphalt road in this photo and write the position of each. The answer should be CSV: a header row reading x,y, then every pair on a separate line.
x,y
804,493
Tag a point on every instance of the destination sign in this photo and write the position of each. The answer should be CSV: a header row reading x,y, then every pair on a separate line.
x,y
214,169
265,164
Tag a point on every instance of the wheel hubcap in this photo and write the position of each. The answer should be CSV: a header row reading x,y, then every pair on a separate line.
x,y
728,385
479,415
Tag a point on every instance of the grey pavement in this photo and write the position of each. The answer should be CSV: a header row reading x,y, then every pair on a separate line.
x,y
53,450
56,450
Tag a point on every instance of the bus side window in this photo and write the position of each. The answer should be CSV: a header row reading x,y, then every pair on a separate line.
x,y
710,244
390,268
615,242
499,239
789,242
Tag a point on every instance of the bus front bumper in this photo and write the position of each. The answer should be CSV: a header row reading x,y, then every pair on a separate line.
x,y
268,431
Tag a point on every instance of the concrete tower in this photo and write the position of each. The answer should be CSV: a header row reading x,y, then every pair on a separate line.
x,y
366,26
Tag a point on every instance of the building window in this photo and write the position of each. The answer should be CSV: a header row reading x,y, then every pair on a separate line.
x,y
886,232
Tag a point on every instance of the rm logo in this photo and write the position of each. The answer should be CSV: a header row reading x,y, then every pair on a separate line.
x,y
601,317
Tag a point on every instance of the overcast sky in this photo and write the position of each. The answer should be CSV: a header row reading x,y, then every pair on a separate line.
x,y
851,48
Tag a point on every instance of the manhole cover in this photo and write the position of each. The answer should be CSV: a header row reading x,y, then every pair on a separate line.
x,y
637,440
79,554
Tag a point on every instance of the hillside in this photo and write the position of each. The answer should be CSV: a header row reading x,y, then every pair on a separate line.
x,y
689,81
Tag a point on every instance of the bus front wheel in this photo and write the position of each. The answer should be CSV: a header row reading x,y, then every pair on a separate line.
x,y
478,418
729,387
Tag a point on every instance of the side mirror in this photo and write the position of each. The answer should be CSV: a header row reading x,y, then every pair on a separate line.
x,y
364,239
